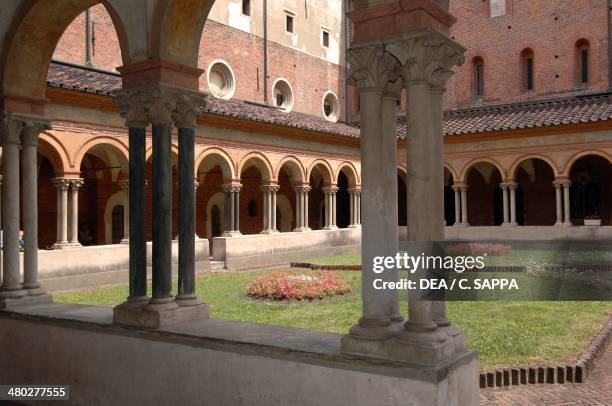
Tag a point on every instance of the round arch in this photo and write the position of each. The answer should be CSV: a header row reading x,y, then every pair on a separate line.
x,y
258,160
26,55
470,165
120,151
350,172
293,166
54,151
451,170
324,168
211,157
519,161
568,166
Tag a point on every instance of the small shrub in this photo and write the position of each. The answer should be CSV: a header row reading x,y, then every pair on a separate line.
x,y
478,248
297,286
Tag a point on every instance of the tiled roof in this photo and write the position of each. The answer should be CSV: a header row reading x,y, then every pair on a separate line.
x,y
533,114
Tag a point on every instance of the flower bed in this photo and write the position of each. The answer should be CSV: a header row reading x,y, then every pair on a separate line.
x,y
297,286
478,248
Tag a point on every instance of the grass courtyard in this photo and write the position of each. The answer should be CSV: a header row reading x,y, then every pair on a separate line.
x,y
504,333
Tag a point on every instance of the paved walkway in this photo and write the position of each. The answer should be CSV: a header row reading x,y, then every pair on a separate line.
x,y
596,391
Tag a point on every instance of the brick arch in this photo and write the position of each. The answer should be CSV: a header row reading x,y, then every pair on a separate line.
x,y
568,165
466,169
350,171
109,142
297,169
53,149
452,171
260,161
517,163
34,32
219,157
327,172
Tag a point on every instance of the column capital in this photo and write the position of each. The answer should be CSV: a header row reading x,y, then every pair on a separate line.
x,y
189,106
461,187
232,187
562,183
11,129
330,190
303,188
61,183
427,56
132,106
509,185
372,67
354,190
270,188
76,183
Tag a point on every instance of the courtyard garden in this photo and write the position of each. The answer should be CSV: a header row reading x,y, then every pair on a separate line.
x,y
508,333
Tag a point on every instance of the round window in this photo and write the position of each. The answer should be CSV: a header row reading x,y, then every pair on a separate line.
x,y
331,106
283,95
221,80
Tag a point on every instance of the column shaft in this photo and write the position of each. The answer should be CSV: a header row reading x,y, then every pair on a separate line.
x,y
457,205
137,216
162,213
186,274
464,213
306,223
30,210
237,209
73,211
266,212
126,213
559,203
505,204
512,189
567,221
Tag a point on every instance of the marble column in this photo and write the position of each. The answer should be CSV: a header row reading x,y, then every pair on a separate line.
x,y
30,205
457,190
73,212
371,70
269,194
330,207
512,190
504,188
354,206
232,209
124,184
301,207
558,202
464,212
196,185
567,219
62,185
12,287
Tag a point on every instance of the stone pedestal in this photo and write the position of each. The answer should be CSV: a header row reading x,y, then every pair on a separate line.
x,y
145,315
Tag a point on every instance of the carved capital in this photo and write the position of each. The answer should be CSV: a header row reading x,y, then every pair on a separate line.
x,y
232,188
270,188
61,183
427,55
330,190
133,106
354,191
32,127
11,129
372,67
303,189
189,106
76,184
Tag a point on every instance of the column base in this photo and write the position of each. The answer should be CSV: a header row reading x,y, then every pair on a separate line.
x,y
301,229
66,245
461,225
232,234
567,224
270,232
330,228
155,316
354,226
125,241
509,224
25,300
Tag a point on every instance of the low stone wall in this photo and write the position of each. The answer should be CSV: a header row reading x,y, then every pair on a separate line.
x,y
102,258
261,250
528,233
214,362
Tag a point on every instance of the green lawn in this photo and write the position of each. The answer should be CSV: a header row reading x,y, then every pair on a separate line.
x,y
504,333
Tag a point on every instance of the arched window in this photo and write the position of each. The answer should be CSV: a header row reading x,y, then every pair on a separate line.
x,y
478,78
583,64
528,70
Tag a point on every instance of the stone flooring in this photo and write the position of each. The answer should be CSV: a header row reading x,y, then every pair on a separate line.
x,y
596,391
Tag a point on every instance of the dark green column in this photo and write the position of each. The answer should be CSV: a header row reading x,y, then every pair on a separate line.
x,y
186,272
137,203
162,213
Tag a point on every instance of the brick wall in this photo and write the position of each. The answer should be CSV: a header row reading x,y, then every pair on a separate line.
x,y
309,77
550,28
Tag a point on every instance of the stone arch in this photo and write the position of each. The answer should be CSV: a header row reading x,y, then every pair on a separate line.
x,y
258,160
534,176
570,162
324,168
451,170
111,150
293,166
117,199
31,40
350,172
484,194
468,167
52,149
211,157
518,162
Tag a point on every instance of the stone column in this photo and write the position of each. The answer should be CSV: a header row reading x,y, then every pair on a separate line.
x,y
73,212
558,202
512,189
457,191
12,287
464,213
355,195
124,184
62,185
371,70
567,219
301,207
330,207
269,192
30,205
188,109
196,185
504,188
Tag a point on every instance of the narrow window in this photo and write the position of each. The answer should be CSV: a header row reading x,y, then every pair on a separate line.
x,y
584,65
289,23
529,68
246,7
582,62
478,78
326,39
